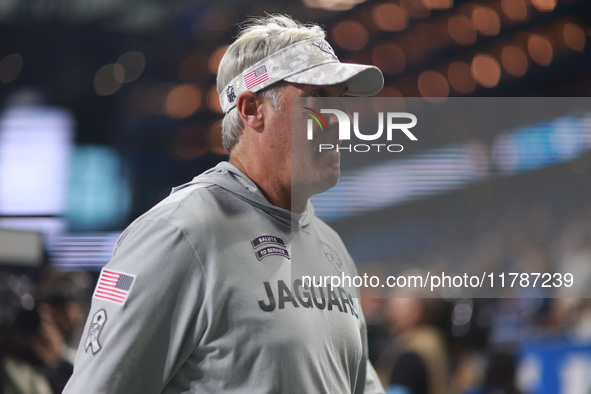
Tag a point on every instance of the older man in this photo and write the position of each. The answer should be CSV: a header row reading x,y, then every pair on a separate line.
x,y
200,295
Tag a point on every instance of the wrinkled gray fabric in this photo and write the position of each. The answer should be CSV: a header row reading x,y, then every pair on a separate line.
x,y
209,312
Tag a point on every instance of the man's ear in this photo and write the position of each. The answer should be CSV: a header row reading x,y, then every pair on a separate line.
x,y
250,108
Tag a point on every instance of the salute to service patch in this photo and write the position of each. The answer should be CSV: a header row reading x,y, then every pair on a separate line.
x,y
269,250
114,286
267,239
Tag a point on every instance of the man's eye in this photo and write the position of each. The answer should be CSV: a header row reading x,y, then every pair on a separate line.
x,y
319,93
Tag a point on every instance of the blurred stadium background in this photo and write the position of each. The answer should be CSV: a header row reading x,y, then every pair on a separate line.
x,y
106,105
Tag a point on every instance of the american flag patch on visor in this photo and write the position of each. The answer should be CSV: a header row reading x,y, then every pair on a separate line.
x,y
255,77
114,286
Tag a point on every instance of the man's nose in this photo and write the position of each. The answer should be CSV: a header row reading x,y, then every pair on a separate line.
x,y
333,125
332,120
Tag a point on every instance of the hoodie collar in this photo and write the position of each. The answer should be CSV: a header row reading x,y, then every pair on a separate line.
x,y
231,179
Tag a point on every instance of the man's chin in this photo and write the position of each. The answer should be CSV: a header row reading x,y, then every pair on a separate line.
x,y
332,170
332,161
335,175
323,182
330,178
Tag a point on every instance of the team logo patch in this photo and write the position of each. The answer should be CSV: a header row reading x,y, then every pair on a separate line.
x,y
332,256
114,286
230,94
267,239
271,251
325,47
96,326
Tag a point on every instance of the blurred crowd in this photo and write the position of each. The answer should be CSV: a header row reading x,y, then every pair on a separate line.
x,y
479,345
41,321
469,346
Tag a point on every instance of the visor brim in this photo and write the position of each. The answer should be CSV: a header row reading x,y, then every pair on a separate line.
x,y
361,80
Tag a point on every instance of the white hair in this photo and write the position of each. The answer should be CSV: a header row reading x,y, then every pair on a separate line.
x,y
257,39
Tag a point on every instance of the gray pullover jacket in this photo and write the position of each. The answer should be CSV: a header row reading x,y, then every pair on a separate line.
x,y
204,295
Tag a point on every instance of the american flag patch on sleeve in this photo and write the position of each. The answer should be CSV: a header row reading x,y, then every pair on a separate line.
x,y
114,286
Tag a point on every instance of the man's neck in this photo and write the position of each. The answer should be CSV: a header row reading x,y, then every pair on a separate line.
x,y
270,184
